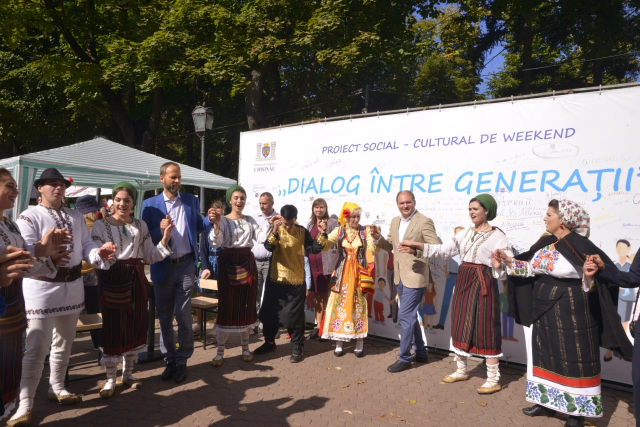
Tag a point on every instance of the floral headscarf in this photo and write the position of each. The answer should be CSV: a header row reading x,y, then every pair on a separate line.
x,y
574,217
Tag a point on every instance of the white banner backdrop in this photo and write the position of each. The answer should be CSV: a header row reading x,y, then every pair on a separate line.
x,y
582,147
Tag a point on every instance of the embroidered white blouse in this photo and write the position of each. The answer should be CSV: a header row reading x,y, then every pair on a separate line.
x,y
547,261
50,299
473,247
10,236
131,240
239,233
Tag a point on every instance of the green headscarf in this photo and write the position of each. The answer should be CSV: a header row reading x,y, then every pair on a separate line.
x,y
233,189
489,204
125,184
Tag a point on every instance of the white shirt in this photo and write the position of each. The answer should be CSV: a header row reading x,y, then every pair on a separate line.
x,y
474,248
133,242
404,224
259,251
179,242
50,299
238,233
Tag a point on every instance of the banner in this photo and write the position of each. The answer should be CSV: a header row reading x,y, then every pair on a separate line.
x,y
581,147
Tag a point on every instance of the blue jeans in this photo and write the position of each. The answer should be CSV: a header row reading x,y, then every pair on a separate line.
x,y
507,325
410,327
446,299
174,294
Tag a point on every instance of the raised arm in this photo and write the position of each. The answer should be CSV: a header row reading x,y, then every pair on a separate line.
x,y
152,253
31,233
324,242
371,246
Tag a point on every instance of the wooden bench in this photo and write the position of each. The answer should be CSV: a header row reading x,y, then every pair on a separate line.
x,y
205,305
86,323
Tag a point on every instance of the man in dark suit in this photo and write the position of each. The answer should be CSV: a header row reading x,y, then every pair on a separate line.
x,y
625,279
174,277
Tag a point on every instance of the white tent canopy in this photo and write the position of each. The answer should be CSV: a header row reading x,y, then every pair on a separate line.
x,y
102,163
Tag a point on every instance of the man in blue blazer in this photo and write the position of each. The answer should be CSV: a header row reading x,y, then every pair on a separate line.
x,y
174,277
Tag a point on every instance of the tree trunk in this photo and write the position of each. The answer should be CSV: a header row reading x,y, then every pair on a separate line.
x,y
275,93
253,100
526,56
123,121
149,135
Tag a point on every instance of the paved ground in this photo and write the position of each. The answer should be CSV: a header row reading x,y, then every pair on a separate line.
x,y
322,390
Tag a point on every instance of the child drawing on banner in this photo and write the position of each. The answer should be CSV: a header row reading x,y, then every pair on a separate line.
x,y
369,297
393,289
626,296
428,307
508,322
451,274
378,302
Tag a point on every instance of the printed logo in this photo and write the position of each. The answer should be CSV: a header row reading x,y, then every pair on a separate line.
x,y
266,151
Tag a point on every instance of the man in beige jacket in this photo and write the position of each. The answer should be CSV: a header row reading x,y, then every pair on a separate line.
x,y
411,273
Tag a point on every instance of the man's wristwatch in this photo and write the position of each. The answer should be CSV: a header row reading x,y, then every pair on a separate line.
x,y
415,252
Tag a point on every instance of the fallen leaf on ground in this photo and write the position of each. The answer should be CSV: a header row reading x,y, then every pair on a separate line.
x,y
330,367
348,412
338,368
481,403
383,415
229,382
411,401
442,382
430,399
346,385
242,408
359,381
460,402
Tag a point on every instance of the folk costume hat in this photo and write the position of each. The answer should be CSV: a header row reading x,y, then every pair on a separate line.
x,y
489,204
345,212
125,184
50,173
574,217
86,204
232,190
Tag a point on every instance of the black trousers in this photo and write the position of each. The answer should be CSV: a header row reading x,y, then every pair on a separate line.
x,y
271,330
635,372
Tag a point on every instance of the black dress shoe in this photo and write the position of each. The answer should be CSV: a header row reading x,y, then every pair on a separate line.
x,y
181,374
314,334
359,353
419,359
169,371
399,366
574,421
338,353
538,411
267,347
296,355
441,327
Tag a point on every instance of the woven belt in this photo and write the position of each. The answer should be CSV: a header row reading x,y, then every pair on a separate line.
x,y
179,260
263,259
64,274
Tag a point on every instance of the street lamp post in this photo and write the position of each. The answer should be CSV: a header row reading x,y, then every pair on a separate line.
x,y
202,121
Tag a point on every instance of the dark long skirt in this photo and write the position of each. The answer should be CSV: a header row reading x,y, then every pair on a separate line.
x,y
475,318
565,348
237,290
12,327
124,295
